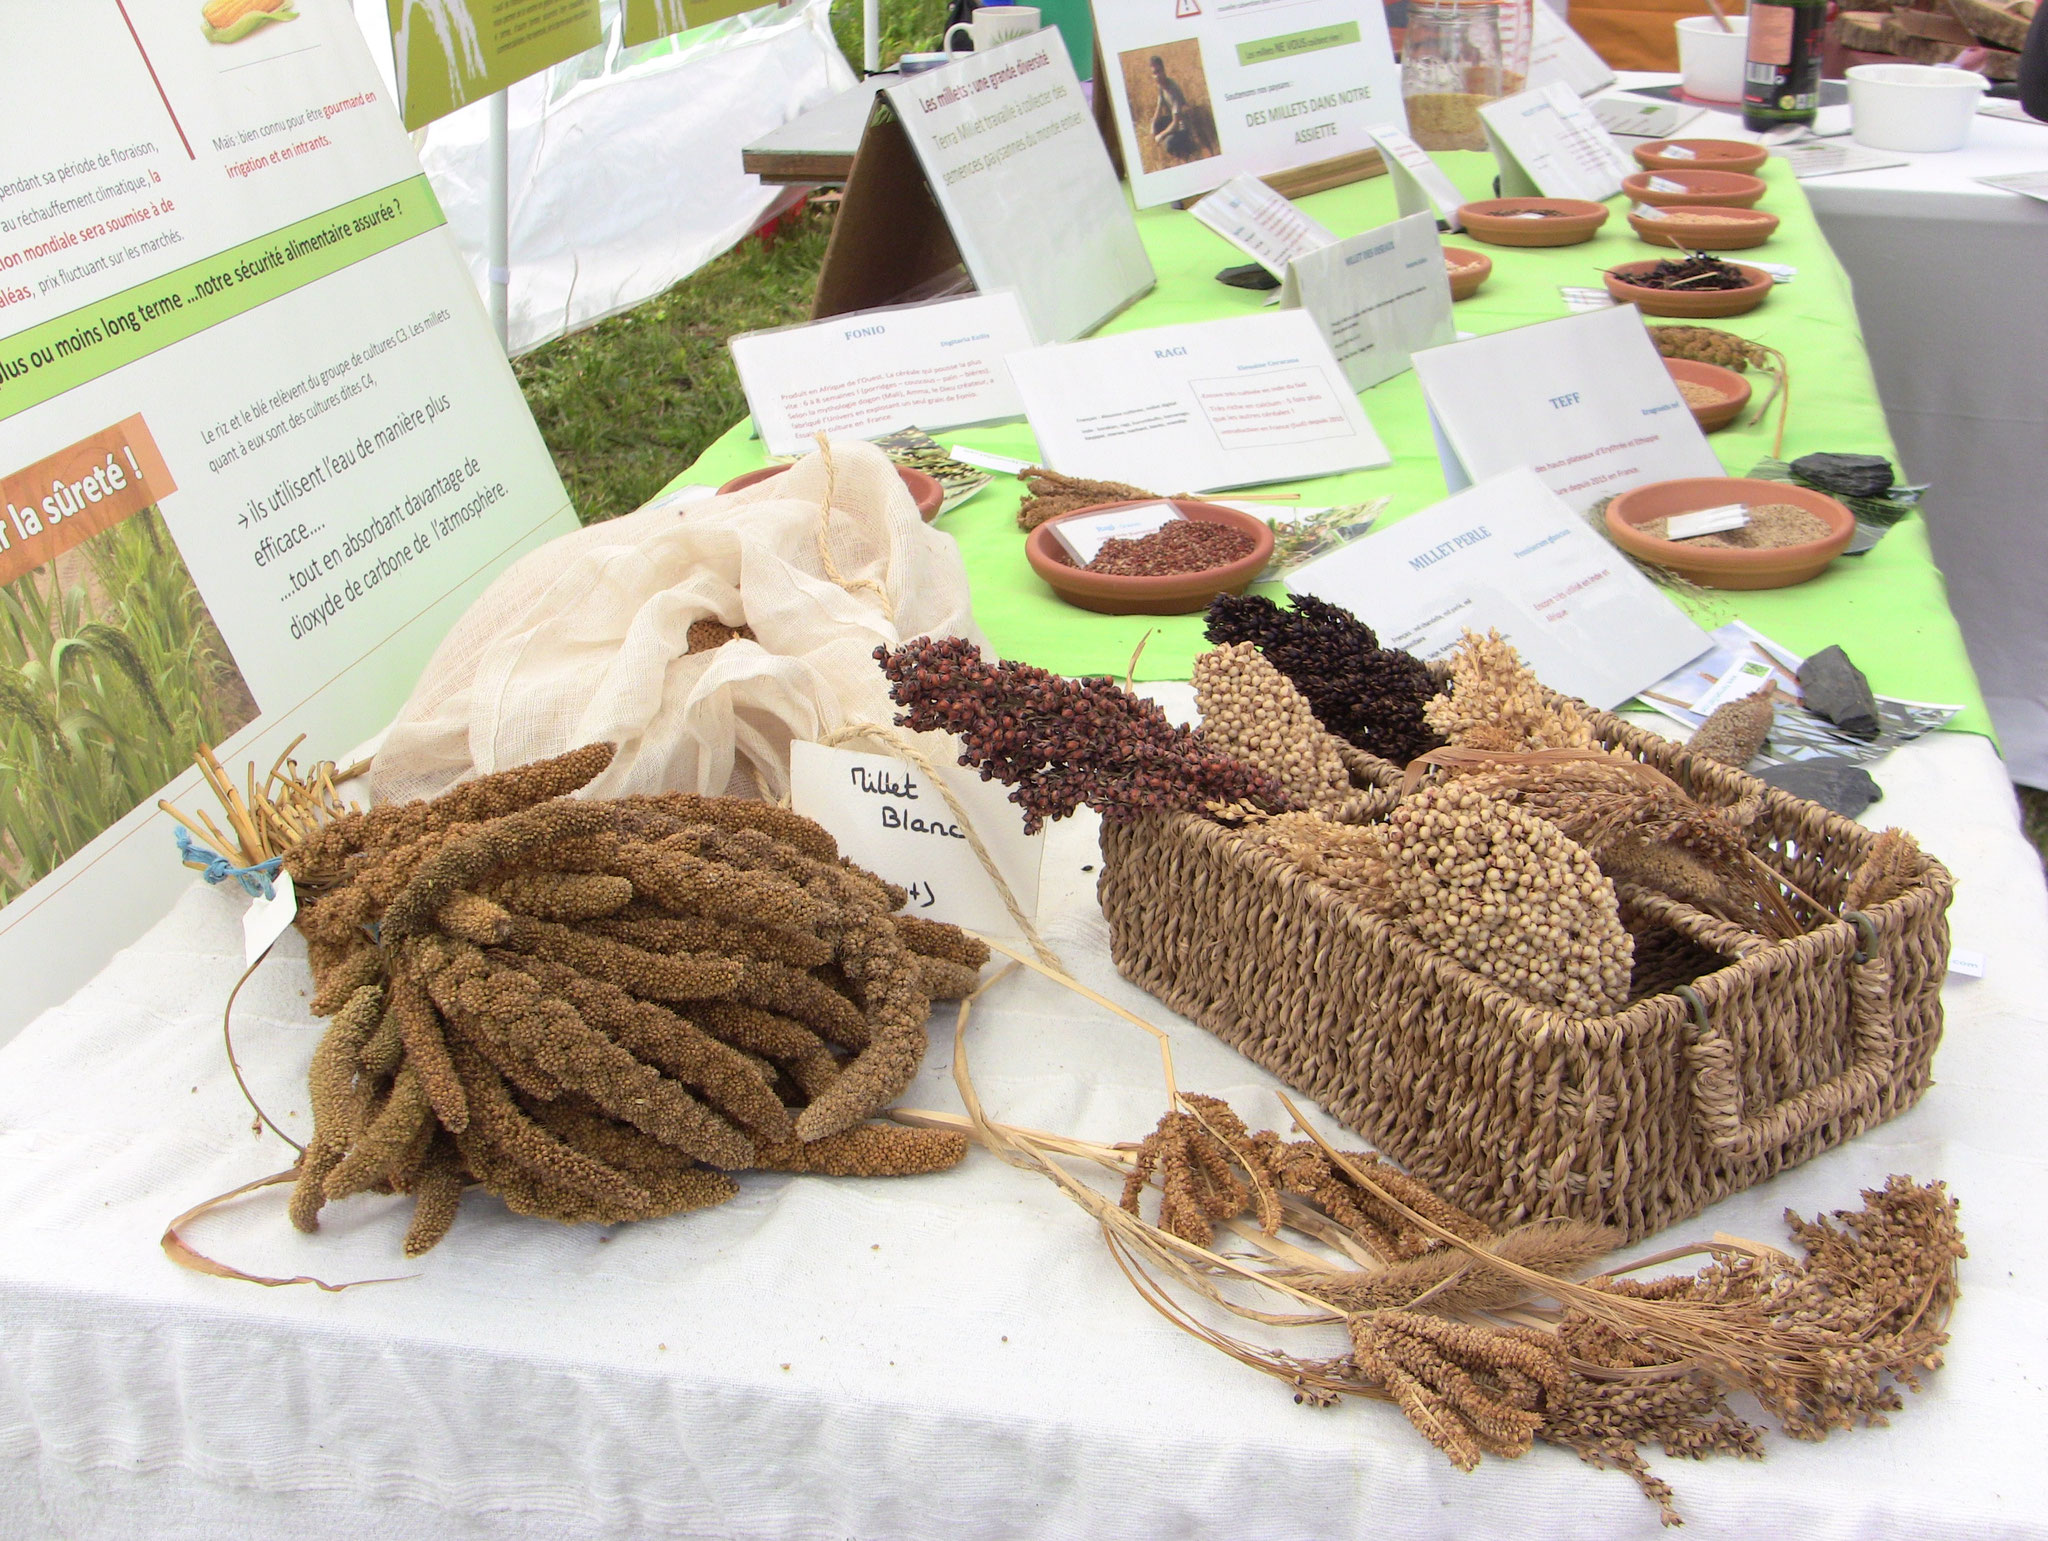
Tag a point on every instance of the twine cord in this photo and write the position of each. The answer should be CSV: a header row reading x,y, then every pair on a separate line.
x,y
831,568
217,869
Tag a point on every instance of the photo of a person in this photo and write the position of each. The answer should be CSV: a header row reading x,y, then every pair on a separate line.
x,y
1169,103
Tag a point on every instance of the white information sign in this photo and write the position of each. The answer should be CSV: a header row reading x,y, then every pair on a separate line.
x,y
1585,401
1216,404
1508,554
1261,223
1550,145
1640,119
1201,92
874,371
889,818
1014,159
1084,538
1558,53
1419,182
258,445
1377,297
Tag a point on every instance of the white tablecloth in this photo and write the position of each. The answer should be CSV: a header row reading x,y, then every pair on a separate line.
x,y
952,1357
1949,278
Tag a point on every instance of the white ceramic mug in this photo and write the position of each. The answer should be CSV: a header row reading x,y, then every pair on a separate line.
x,y
995,24
1711,61
1912,106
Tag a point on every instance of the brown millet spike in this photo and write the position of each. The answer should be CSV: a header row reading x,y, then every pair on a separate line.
x,y
436,1196
791,1045
678,880
661,931
650,975
386,1140
464,862
867,1150
333,926
474,918
1736,730
361,966
943,981
676,1182
789,828
426,1051
337,1101
775,987
675,1044
547,1032
935,939
1893,866
506,1128
563,896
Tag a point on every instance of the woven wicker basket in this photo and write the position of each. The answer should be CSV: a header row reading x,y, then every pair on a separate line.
x,y
1737,1057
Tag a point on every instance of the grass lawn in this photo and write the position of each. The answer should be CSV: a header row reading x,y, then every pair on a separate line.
x,y
630,402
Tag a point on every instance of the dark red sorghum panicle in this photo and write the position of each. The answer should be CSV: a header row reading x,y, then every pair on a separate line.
x,y
1369,695
1058,743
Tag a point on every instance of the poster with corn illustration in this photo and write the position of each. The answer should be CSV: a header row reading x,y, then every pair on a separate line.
x,y
258,445
229,21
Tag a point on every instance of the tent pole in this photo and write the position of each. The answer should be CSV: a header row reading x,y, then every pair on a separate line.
x,y
498,219
871,35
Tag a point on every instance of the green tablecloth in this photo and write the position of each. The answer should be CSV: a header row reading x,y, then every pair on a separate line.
x,y
1887,609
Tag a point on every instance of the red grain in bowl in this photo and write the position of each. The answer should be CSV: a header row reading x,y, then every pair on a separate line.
x,y
1184,546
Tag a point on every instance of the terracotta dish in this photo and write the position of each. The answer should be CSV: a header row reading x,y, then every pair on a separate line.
x,y
1715,414
1506,221
1174,594
1707,155
1711,229
1727,567
1720,189
1694,304
925,490
1468,270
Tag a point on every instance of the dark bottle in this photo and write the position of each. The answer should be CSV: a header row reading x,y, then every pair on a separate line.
x,y
1781,82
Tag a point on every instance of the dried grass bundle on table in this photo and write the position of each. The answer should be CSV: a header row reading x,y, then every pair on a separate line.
x,y
597,1009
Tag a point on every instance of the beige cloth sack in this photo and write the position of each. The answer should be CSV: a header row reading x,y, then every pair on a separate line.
x,y
586,640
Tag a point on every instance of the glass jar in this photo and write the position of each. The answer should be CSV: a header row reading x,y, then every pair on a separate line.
x,y
1459,55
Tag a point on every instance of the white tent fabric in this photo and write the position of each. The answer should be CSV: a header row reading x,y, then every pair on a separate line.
x,y
625,162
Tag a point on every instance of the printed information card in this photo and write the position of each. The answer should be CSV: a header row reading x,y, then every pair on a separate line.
x,y
1202,92
1419,182
889,818
855,376
1550,145
1376,297
1508,554
1585,402
1261,223
1193,408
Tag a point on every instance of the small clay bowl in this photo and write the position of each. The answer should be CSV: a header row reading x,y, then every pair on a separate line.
x,y
1707,155
1174,594
1719,230
1678,302
1505,222
1715,414
1468,270
925,490
1729,567
1718,189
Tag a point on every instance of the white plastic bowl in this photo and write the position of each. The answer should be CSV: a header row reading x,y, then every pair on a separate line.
x,y
1710,61
1912,106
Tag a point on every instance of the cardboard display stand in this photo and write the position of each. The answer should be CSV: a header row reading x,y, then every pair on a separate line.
x,y
987,174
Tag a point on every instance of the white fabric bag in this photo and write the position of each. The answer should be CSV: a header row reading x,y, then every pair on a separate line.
x,y
586,640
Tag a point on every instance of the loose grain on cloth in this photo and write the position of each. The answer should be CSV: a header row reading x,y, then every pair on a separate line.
x,y
587,640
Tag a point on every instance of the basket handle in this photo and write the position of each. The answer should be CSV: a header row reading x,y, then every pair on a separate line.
x,y
1717,1089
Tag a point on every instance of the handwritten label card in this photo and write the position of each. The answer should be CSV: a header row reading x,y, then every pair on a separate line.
x,y
1217,404
1260,223
1509,554
1085,538
1550,145
874,371
889,818
1377,297
1419,182
1585,401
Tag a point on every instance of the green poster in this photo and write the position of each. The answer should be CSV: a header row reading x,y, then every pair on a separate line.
x,y
647,20
450,53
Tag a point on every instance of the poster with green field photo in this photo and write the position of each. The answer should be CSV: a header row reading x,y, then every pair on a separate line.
x,y
112,671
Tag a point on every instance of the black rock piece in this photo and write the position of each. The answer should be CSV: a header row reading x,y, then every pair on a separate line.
x,y
1248,276
1846,476
1840,785
1836,691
